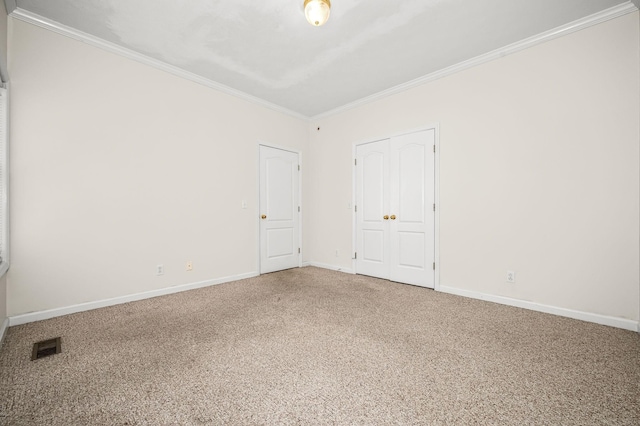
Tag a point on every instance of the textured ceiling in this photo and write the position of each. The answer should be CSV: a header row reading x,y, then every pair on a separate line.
x,y
267,49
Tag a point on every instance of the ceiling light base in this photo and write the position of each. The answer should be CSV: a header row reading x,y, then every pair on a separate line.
x,y
317,11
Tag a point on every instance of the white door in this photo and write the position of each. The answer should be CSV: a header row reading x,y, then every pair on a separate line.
x,y
279,210
412,219
395,220
372,209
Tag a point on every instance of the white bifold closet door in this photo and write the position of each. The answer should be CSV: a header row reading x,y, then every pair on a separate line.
x,y
395,217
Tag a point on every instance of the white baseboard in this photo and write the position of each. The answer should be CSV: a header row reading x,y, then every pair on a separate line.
x,y
569,313
52,313
563,312
3,330
331,267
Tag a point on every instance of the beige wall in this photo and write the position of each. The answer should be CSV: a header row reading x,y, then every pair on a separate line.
x,y
3,41
117,167
3,62
3,299
539,171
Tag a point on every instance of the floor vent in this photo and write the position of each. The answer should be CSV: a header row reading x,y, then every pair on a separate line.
x,y
46,348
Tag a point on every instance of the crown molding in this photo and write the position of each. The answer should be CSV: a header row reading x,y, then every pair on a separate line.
x,y
40,21
595,19
580,24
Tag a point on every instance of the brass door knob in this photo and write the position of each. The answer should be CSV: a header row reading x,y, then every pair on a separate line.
x,y
264,216
385,217
393,217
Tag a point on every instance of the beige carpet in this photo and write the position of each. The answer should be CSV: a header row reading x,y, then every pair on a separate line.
x,y
310,346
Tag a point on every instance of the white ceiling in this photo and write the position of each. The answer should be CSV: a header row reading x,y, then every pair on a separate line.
x,y
267,49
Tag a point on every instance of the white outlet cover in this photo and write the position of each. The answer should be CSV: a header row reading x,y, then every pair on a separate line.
x,y
511,277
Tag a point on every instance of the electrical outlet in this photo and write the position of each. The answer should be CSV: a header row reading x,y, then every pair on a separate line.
x,y
511,277
189,266
159,269
337,253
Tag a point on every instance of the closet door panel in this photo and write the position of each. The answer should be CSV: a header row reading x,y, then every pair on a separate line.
x,y
412,194
372,202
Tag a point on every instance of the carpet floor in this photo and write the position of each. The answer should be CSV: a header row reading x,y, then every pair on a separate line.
x,y
310,346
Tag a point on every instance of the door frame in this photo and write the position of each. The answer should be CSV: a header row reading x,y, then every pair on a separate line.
x,y
436,128
257,212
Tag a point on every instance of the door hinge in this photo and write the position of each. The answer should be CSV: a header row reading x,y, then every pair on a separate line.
x,y
355,161
298,167
355,255
356,208
434,266
298,209
434,207
434,148
298,250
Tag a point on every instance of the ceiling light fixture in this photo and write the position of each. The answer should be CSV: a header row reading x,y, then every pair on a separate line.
x,y
317,11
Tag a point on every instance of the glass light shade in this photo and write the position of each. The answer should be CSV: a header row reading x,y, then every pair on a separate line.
x,y
317,11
